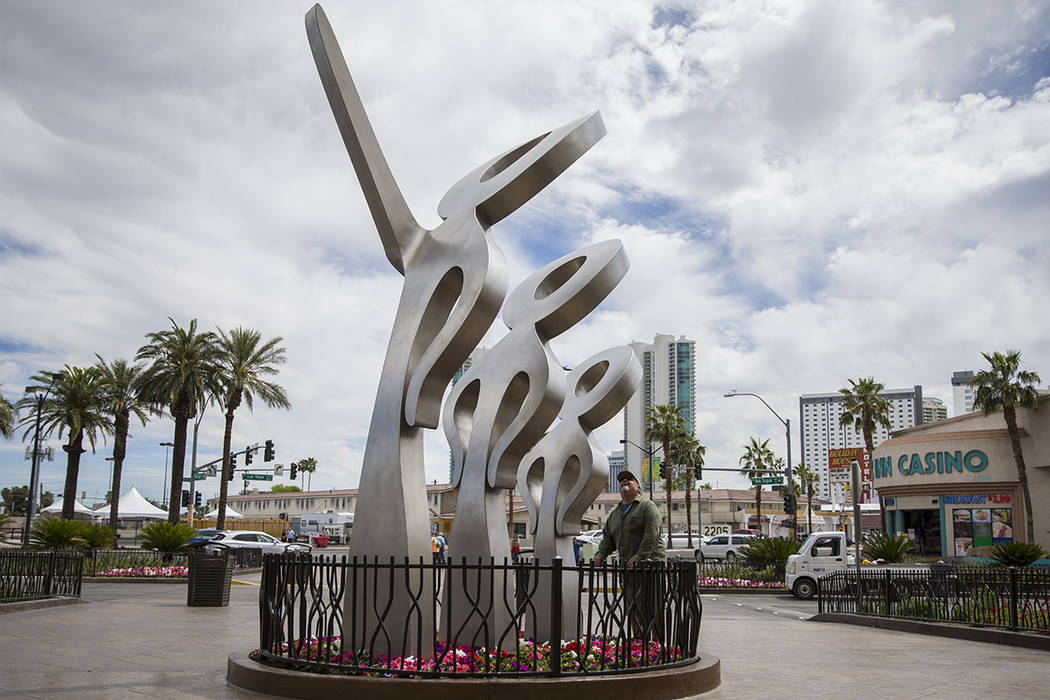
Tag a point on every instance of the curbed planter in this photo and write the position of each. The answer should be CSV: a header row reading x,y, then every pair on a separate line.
x,y
679,682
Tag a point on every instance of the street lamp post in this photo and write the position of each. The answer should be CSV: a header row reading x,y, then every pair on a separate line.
x,y
787,429
34,475
649,453
166,446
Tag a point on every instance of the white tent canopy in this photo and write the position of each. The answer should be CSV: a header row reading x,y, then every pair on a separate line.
x,y
230,513
78,508
132,506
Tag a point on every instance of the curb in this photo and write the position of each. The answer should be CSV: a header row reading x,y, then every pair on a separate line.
x,y
974,634
710,591
26,605
665,684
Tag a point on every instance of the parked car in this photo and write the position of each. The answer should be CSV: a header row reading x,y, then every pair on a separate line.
x,y
253,539
722,547
202,536
680,540
590,537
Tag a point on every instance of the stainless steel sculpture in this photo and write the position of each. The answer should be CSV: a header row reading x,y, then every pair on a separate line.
x,y
498,410
455,281
567,469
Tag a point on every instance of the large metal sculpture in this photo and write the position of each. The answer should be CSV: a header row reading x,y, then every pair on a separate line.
x,y
455,281
498,410
567,469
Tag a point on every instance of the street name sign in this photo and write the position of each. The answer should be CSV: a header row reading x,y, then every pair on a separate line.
x,y
772,480
258,477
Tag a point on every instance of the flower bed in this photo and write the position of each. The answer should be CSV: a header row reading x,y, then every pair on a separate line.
x,y
588,654
175,571
724,582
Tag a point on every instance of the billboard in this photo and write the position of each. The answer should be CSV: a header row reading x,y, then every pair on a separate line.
x,y
838,464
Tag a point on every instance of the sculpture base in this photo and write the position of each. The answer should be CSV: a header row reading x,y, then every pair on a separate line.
x,y
667,683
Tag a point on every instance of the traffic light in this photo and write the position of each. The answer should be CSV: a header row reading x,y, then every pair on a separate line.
x,y
293,469
248,456
268,451
185,498
197,500
698,472
789,503
233,466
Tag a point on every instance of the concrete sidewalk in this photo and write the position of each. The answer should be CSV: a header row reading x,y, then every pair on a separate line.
x,y
136,641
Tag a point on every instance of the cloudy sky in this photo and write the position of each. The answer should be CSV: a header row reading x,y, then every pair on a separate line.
x,y
812,191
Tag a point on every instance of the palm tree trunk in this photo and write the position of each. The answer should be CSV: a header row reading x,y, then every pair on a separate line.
x,y
809,509
758,507
69,493
667,479
869,444
220,519
178,459
689,506
1010,416
120,440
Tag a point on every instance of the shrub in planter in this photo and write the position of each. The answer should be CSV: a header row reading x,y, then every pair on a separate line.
x,y
165,537
768,550
55,533
1017,553
891,549
98,536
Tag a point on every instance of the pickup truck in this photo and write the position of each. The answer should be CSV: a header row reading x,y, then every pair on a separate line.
x,y
825,553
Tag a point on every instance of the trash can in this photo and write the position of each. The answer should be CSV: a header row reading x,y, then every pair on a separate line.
x,y
939,579
211,568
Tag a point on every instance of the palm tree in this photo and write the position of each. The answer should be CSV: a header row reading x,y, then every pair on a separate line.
x,y
122,398
76,403
308,465
690,454
865,409
181,376
808,480
242,363
1006,386
756,461
7,417
666,424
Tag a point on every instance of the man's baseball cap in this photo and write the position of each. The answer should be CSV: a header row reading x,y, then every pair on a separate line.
x,y
625,475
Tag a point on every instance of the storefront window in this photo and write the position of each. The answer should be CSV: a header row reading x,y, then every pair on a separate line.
x,y
981,527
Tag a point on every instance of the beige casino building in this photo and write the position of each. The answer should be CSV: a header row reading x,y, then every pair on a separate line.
x,y
952,485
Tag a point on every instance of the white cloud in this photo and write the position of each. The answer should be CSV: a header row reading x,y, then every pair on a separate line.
x,y
812,191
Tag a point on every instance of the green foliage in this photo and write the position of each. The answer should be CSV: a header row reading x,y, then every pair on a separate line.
x,y
166,537
891,549
55,533
1017,553
7,417
281,488
98,536
768,550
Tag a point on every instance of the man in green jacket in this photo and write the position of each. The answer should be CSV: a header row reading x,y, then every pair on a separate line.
x,y
633,528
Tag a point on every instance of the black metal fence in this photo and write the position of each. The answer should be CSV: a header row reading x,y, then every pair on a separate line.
x,y
738,573
1008,598
623,620
28,575
144,563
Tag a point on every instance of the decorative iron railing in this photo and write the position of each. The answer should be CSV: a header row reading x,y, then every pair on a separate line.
x,y
625,620
1007,598
26,575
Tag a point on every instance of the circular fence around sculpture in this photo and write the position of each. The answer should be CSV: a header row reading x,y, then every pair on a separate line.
x,y
626,620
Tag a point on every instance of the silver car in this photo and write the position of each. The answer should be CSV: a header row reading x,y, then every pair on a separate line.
x,y
723,547
254,539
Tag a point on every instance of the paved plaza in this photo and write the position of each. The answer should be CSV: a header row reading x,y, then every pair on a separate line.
x,y
141,640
